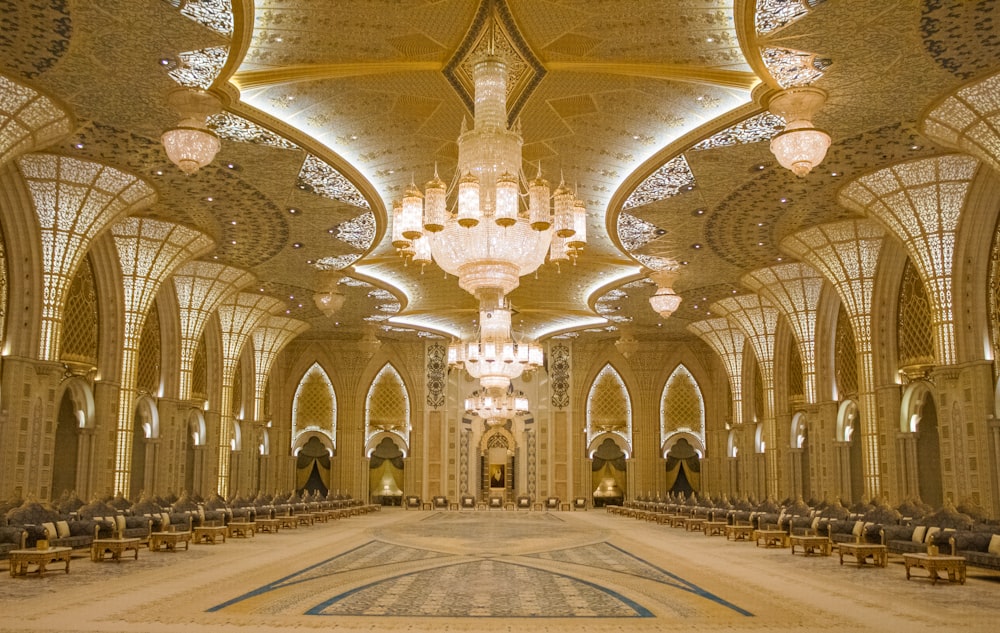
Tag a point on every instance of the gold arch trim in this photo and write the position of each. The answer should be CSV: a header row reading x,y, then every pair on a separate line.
x,y
315,72
671,72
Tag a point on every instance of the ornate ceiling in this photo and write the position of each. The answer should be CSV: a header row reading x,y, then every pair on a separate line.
x,y
652,111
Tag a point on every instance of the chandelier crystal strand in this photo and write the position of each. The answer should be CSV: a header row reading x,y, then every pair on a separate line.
x,y
495,357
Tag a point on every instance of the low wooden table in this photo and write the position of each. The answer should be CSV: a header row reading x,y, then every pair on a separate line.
x,y
715,528
20,559
114,546
241,529
953,565
208,533
811,544
267,525
677,520
694,524
305,518
169,540
861,551
739,532
287,521
771,538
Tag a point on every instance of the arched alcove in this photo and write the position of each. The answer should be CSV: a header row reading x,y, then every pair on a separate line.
x,y
145,432
385,470
387,406
682,409
71,456
314,407
609,407
608,474
919,417
194,445
312,465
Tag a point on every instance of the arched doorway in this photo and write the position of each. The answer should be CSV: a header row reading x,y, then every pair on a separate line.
x,y
312,465
683,462
497,465
851,464
920,412
800,455
385,471
71,457
195,445
608,471
145,432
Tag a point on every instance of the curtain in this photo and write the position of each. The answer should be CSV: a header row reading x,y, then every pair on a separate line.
x,y
691,467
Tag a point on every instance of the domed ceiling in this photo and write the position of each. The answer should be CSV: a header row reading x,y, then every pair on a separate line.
x,y
652,112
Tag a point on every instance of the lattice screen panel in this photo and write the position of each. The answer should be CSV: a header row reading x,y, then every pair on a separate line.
x,y
387,405
147,376
79,344
199,371
914,329
921,201
236,402
845,356
796,384
609,407
969,120
74,201
28,120
200,287
727,340
268,339
682,406
315,405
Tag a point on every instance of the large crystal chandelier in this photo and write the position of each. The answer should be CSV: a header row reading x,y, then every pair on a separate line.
x,y
495,357
501,226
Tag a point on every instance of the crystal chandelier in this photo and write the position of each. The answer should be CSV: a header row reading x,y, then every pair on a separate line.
x,y
495,358
328,297
664,301
801,146
497,406
501,226
191,145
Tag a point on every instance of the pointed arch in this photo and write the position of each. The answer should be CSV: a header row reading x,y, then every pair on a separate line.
x,y
387,407
314,408
609,408
682,409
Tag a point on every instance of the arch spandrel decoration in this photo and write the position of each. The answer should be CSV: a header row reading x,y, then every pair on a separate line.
x,y
914,325
314,408
609,409
682,410
79,342
387,407
845,356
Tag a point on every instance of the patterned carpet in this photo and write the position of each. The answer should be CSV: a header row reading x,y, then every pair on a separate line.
x,y
483,566
490,572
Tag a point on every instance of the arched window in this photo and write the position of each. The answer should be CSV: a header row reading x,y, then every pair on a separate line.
x,y
609,407
682,407
387,406
314,409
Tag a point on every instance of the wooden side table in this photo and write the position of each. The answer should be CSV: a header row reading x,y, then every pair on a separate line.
x,y
862,551
772,538
268,525
954,566
208,533
811,544
715,528
693,524
114,546
169,540
241,529
739,532
21,559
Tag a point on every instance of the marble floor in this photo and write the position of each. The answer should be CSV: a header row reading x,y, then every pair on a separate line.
x,y
490,571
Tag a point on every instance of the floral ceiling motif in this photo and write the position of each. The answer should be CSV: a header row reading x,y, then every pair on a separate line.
x,y
215,14
199,69
673,176
759,127
323,179
232,127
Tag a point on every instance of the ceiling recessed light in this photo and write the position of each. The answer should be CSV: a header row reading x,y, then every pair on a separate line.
x,y
834,173
297,245
354,137
288,311
292,297
300,305
696,246
684,263
215,257
262,290
694,307
309,261
734,290
698,212
783,200
209,199
914,147
233,242
635,137
760,167
164,61
279,39
233,222
760,224
780,258
760,243
709,39
78,145
158,172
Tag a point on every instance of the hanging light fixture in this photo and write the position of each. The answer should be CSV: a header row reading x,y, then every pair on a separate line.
x,y
328,297
664,301
496,406
191,145
801,146
627,344
488,239
495,357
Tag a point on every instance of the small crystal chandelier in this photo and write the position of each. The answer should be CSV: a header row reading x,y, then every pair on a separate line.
x,y
495,358
501,226
800,146
497,406
328,297
191,145
664,301
627,344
